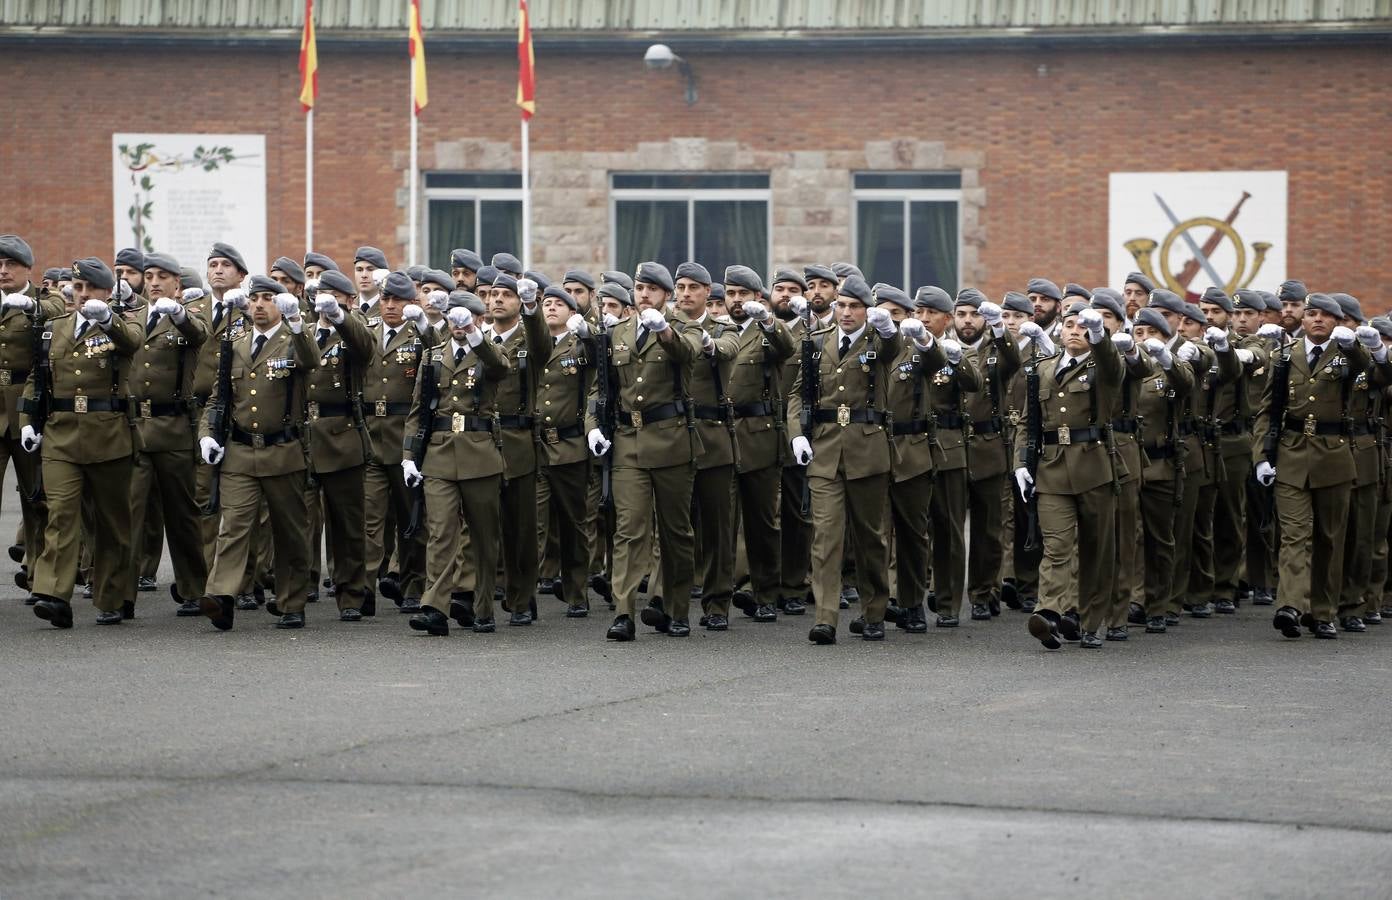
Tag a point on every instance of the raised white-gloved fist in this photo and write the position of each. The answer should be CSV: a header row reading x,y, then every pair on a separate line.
x,y
191,294
413,313
991,313
171,308
438,300
311,288
289,307
67,292
459,317
17,301
122,291
327,306
1124,342
1244,356
653,320
802,450
800,308
756,310
379,277
410,473
952,350
1369,337
29,439
237,299
1343,336
1159,352
1266,473
1217,338
707,343
599,444
526,289
1031,331
577,325
1272,332
211,450
1024,482
1091,319
96,311
1188,353
609,320
913,330
880,320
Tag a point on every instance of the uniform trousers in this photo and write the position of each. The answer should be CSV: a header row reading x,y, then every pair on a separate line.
x,y
854,509
284,496
1081,529
478,503
1311,559
162,485
910,502
562,510
638,493
794,535
105,487
759,494
949,516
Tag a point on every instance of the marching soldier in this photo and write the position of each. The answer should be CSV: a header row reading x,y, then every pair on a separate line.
x,y
1254,333
1291,295
369,272
615,303
1374,610
79,416
1047,299
1135,293
290,276
316,264
1020,589
251,433
464,266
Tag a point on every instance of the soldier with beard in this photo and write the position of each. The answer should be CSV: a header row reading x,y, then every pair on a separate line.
x,y
1047,300
1292,295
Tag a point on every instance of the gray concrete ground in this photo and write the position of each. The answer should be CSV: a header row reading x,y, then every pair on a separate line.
x,y
163,759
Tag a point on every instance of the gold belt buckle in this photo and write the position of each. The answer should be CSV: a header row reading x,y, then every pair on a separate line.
x,y
457,422
79,404
5,376
636,418
843,415
258,442
380,409
1310,425
552,435
313,410
1065,436
146,409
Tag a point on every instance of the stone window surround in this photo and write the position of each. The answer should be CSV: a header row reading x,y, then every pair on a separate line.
x,y
810,192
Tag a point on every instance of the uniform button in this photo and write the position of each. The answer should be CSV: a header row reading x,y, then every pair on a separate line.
x,y
147,365
1060,395
548,402
455,381
640,397
74,353
1063,409
838,371
1312,399
384,381
840,387
640,377
454,399
253,374
253,425
546,371
253,392
253,409
548,418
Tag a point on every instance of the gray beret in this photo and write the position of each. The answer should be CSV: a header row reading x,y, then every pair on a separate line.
x,y
372,256
506,281
1292,290
541,280
399,285
1111,299
1044,286
485,275
67,275
622,279
94,272
930,297
788,275
506,262
1076,307
1325,303
132,257
435,276
189,278
1167,300
1216,296
1014,300
816,270
1273,302
163,261
1192,312
552,290
615,291
465,259
695,271
1382,324
53,274
717,291
14,247
416,273
888,293
1137,278
1351,307
260,283
318,259
1073,289
655,273
745,277
467,300
855,288
1246,298
846,270
970,297
289,267
229,253
579,276
1152,317
334,280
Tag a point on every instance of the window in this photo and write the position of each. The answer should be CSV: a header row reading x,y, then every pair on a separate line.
x,y
716,219
478,210
907,228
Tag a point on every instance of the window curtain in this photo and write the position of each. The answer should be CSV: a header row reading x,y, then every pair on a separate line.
x,y
451,225
933,258
500,222
880,241
731,232
649,230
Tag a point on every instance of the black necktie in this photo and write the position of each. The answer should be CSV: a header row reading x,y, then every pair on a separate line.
x,y
1315,354
217,315
497,339
82,328
458,356
260,345
642,338
391,336
845,346
151,323
1067,367
323,337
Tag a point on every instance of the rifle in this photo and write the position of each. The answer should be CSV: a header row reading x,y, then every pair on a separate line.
x,y
430,402
42,405
1034,438
810,377
220,419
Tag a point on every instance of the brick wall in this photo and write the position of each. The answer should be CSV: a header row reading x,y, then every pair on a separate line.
x,y
1045,141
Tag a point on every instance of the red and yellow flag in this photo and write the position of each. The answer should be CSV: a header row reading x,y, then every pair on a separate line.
x,y
526,63
417,58
309,60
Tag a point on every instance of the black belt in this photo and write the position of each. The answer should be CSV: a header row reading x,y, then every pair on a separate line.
x,y
918,426
1236,426
1187,429
652,414
757,410
268,439
709,413
379,408
1075,435
87,404
859,416
949,420
1301,425
987,426
556,435
150,410
1159,451
1126,426
462,423
1361,430
517,423
13,376
329,410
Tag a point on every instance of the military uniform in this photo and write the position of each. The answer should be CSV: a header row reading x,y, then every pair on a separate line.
x,y
794,523
953,425
563,480
997,358
220,319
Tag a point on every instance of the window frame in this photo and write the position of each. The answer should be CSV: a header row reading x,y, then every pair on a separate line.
x,y
908,196
690,196
478,195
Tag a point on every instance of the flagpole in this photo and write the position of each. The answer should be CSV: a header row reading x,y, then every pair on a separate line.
x,y
526,197
411,230
309,180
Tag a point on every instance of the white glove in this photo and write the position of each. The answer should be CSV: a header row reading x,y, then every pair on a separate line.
x,y
609,320
237,299
29,439
191,294
577,325
707,343
1188,353
17,301
653,320
952,349
802,450
1272,332
379,277
1266,473
328,307
526,289
912,329
1369,337
599,444
96,311
459,317
1159,352
880,320
1344,336
438,300
1124,342
311,288
991,313
756,310
122,290
799,307
1091,319
290,311
211,450
414,314
1031,330
1024,482
411,473
1217,338
1244,356
171,308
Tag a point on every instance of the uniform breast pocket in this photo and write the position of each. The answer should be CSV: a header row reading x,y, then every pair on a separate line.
x,y
621,359
238,373
1077,387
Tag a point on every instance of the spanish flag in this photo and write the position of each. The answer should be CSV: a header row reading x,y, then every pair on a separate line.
x,y
309,60
526,63
417,59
